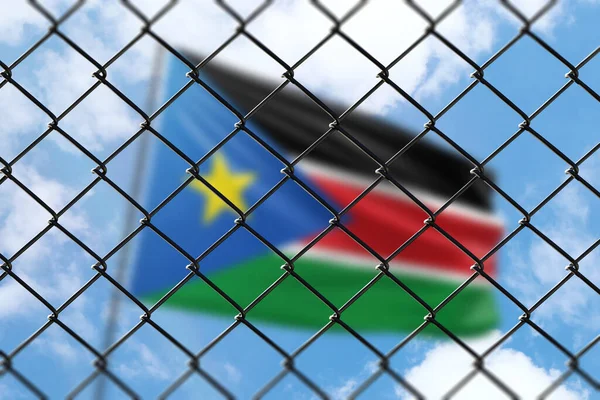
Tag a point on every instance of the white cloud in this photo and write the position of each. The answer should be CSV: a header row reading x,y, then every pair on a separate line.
x,y
537,267
448,364
13,294
143,364
54,284
61,75
21,217
345,390
10,392
16,19
53,340
299,26
100,119
383,28
19,117
234,375
348,386
48,266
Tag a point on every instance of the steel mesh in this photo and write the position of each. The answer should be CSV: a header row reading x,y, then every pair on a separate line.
x,y
102,272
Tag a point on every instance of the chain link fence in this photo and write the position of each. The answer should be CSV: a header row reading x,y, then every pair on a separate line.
x,y
102,365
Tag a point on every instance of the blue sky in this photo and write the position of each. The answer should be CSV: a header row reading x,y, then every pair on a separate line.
x,y
526,170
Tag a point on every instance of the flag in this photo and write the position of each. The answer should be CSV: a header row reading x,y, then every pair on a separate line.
x,y
338,265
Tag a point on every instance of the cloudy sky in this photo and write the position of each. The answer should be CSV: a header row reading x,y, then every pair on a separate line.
x,y
55,170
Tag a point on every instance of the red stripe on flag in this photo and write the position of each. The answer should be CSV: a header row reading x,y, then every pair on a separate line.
x,y
385,221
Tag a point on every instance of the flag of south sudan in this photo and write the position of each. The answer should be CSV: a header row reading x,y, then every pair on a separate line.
x,y
339,264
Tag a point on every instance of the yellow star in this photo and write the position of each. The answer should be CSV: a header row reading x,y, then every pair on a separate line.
x,y
231,185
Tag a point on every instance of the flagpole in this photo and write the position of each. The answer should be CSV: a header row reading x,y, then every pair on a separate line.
x,y
130,217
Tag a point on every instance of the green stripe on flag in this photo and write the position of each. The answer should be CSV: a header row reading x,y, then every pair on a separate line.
x,y
384,307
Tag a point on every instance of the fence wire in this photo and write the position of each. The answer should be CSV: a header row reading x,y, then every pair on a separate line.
x,y
102,365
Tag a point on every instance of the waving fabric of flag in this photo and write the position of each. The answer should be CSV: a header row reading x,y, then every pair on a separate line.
x,y
338,265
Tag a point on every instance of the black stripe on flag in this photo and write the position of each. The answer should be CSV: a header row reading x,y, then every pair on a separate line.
x,y
294,122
